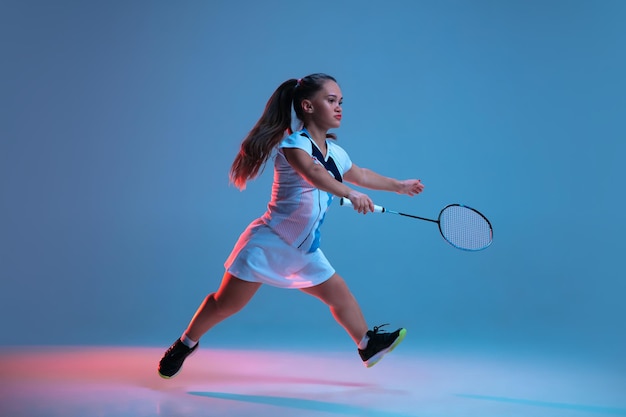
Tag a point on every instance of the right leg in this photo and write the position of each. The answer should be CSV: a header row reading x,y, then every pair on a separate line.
x,y
231,297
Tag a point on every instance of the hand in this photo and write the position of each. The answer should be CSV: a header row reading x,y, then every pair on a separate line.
x,y
361,202
411,187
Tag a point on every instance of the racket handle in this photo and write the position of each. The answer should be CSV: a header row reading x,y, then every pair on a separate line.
x,y
346,202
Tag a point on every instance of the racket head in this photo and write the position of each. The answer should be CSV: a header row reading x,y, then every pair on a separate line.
x,y
465,228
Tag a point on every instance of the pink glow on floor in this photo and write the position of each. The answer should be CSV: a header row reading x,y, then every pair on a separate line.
x,y
108,381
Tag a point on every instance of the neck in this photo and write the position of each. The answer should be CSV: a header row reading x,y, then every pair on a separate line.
x,y
318,135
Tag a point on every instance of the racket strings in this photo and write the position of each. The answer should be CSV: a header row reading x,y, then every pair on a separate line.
x,y
465,228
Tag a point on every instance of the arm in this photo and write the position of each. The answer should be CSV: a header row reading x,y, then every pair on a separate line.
x,y
320,178
367,178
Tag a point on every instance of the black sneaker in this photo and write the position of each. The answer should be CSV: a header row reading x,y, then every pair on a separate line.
x,y
380,343
173,359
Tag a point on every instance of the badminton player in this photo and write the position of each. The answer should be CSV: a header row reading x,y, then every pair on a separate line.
x,y
282,247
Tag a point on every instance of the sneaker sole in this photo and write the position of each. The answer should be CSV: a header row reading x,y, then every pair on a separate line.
x,y
180,369
377,357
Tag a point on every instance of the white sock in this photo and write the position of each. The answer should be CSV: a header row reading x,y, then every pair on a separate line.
x,y
363,342
188,342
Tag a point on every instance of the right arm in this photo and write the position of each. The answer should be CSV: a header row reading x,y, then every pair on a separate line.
x,y
318,176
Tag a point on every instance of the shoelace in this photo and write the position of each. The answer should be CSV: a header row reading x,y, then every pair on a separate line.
x,y
173,348
376,328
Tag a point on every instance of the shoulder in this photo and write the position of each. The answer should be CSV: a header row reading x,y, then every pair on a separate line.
x,y
298,140
340,156
337,150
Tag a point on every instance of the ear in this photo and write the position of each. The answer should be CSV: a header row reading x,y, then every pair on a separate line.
x,y
307,106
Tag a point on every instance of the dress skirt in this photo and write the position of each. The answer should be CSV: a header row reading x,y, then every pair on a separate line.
x,y
260,255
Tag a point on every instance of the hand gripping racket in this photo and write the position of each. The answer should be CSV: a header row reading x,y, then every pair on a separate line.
x,y
461,226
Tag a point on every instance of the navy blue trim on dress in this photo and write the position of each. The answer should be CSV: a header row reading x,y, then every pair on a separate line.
x,y
329,164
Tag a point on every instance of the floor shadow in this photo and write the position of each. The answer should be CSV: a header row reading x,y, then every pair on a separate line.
x,y
547,404
301,404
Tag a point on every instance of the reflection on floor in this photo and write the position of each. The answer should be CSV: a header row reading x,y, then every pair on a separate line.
x,y
106,381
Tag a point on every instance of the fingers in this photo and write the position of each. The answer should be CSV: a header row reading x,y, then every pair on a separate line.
x,y
412,187
361,202
364,205
418,187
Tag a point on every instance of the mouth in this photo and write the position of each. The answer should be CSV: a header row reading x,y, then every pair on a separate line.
x,y
338,117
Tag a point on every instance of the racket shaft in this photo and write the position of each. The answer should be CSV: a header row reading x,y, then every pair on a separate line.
x,y
413,217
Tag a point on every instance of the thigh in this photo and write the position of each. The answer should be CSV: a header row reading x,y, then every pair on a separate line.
x,y
235,291
333,291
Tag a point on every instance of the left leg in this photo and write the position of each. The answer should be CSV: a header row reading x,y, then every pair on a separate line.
x,y
373,345
345,309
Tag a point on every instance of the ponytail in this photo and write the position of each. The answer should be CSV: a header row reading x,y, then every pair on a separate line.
x,y
270,129
257,147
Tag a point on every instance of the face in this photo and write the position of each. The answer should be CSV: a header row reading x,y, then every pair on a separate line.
x,y
324,108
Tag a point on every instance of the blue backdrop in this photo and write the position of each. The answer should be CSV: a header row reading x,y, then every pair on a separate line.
x,y
119,122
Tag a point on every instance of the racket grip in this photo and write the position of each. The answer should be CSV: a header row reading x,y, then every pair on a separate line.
x,y
346,202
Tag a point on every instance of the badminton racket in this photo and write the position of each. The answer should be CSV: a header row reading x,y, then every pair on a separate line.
x,y
461,226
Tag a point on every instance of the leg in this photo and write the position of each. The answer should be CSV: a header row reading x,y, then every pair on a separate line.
x,y
232,295
345,309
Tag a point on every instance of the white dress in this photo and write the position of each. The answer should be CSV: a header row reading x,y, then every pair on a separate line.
x,y
281,248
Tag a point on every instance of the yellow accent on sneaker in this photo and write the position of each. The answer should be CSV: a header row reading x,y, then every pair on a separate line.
x,y
372,360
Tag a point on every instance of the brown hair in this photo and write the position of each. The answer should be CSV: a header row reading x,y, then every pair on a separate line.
x,y
270,129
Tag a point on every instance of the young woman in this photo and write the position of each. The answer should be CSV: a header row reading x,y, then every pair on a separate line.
x,y
281,248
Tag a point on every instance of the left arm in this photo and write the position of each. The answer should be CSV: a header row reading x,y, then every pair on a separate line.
x,y
367,178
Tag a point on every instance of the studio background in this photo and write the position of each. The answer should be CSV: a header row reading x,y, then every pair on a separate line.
x,y
119,122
